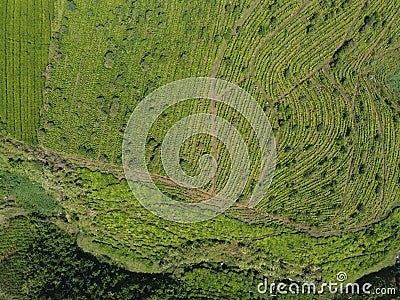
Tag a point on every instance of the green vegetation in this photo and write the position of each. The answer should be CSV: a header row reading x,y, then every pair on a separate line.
x,y
41,261
31,196
336,128
139,46
395,82
326,74
114,225
24,47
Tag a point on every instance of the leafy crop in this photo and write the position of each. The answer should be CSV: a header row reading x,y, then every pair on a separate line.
x,y
326,73
114,224
309,65
24,46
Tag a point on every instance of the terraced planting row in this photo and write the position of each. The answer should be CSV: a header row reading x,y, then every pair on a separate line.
x,y
322,134
24,45
335,134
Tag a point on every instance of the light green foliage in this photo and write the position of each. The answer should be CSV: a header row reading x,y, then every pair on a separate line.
x,y
326,74
116,225
24,47
111,56
120,220
309,65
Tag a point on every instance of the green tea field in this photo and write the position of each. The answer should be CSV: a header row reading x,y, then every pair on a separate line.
x,y
326,74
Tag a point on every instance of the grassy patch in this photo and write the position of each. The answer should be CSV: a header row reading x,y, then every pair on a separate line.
x,y
394,82
27,194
